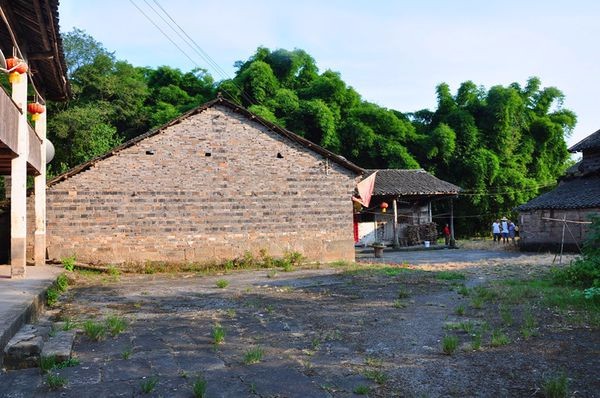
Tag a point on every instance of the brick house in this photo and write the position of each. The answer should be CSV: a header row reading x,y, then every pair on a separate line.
x,y
575,199
208,186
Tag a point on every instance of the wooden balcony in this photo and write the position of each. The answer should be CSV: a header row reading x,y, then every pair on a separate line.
x,y
9,114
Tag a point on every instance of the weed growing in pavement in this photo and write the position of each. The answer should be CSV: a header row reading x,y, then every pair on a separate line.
x,y
115,324
506,315
149,384
315,343
68,363
55,381
556,386
52,295
253,355
126,353
377,376
476,342
361,389
230,313
69,263
477,303
222,283
449,275
47,363
199,388
449,344
62,283
463,290
218,334
374,362
467,327
529,324
400,304
499,338
94,330
460,310
68,324
403,293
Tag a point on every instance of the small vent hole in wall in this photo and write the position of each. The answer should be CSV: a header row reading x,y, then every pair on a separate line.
x,y
150,152
207,154
279,155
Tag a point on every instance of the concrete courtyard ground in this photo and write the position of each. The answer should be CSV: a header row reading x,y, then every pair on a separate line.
x,y
348,330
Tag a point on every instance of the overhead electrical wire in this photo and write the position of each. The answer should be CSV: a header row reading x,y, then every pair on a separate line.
x,y
186,38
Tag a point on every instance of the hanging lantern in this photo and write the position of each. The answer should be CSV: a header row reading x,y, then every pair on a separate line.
x,y
16,68
36,109
383,206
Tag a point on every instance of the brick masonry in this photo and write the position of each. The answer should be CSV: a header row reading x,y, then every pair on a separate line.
x,y
539,234
209,188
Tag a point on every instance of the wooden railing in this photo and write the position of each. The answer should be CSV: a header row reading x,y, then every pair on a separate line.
x,y
9,120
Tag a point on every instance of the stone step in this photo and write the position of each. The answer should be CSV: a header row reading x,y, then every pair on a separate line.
x,y
59,345
32,342
25,348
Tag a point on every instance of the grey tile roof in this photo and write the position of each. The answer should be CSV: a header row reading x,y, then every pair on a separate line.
x,y
576,193
394,182
590,142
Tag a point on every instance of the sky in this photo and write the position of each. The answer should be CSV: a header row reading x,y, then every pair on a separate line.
x,y
394,53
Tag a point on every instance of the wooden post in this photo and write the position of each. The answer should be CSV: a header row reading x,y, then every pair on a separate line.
x,y
452,240
562,240
39,252
395,206
18,186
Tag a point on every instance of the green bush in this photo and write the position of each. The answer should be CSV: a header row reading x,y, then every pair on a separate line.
x,y
584,272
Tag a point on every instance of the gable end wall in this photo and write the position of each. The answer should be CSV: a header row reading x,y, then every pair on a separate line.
x,y
165,199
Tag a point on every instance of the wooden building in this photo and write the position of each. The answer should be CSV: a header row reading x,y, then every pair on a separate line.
x,y
561,217
407,220
29,39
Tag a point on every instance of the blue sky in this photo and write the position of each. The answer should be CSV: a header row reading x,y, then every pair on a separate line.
x,y
393,53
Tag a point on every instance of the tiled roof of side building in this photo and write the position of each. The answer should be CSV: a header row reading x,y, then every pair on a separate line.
x,y
410,182
592,141
576,193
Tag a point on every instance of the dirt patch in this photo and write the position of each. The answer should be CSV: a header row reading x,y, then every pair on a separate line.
x,y
331,332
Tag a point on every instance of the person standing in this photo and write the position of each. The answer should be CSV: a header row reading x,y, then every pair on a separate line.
x,y
504,226
447,234
496,231
511,232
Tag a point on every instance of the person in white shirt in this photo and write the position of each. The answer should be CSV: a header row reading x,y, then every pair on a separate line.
x,y
496,231
504,230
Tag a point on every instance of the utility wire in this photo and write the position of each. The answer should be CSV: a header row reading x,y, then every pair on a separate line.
x,y
198,50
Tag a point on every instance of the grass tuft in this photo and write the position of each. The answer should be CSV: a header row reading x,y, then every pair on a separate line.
x,y
222,283
377,376
149,384
55,381
199,388
449,275
253,355
361,389
556,386
499,339
218,334
94,330
449,344
115,324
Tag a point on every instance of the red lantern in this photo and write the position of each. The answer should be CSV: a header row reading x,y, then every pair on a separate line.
x,y
36,109
16,67
383,206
